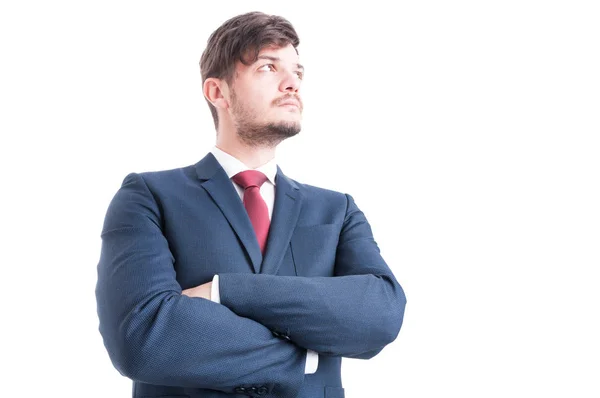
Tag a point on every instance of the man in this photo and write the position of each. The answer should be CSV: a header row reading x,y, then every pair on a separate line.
x,y
228,278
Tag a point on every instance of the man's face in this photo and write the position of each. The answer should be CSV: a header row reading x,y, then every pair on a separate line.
x,y
258,94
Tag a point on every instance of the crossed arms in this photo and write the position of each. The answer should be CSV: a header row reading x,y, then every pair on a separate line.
x,y
155,334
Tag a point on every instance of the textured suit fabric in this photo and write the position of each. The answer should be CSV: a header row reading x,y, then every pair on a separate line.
x,y
322,285
232,166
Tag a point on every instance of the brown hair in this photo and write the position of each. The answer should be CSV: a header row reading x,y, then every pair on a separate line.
x,y
241,38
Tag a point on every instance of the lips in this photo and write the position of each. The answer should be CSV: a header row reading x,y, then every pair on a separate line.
x,y
295,103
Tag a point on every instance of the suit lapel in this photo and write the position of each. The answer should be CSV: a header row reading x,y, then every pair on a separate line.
x,y
288,201
286,208
221,189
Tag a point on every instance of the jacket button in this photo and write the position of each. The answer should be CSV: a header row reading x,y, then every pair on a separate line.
x,y
280,335
240,390
263,390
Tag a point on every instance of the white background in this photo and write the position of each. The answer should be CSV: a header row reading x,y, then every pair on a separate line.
x,y
467,132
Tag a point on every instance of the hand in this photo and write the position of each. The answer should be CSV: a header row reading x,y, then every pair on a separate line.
x,y
202,291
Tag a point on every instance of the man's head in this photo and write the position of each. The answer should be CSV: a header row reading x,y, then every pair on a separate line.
x,y
249,70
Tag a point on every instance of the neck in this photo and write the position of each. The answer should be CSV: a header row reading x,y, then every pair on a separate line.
x,y
252,157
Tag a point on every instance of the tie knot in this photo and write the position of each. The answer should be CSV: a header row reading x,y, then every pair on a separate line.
x,y
249,178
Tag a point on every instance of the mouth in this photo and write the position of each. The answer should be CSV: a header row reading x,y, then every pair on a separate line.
x,y
290,105
291,102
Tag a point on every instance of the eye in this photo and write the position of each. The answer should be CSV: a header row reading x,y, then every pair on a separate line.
x,y
299,73
267,65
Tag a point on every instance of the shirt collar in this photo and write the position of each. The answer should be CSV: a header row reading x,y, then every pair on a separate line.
x,y
232,165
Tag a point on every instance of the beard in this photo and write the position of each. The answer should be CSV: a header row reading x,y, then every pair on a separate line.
x,y
254,134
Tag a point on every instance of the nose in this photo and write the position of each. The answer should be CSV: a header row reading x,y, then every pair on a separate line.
x,y
291,82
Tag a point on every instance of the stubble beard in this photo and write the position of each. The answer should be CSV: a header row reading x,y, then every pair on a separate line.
x,y
254,134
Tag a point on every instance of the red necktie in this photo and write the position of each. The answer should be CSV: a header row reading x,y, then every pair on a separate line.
x,y
251,181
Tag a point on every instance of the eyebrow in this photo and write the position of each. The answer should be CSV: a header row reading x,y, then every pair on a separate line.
x,y
276,59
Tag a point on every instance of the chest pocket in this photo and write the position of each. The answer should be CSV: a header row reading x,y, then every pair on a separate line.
x,y
314,248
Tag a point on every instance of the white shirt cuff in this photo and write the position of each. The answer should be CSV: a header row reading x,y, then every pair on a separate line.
x,y
214,290
312,362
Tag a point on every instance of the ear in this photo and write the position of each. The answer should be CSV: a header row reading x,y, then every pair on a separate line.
x,y
217,92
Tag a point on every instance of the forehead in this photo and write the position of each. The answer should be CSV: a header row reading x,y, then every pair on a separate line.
x,y
285,55
287,52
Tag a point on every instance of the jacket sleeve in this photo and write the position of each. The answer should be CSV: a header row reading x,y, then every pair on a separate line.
x,y
154,334
355,313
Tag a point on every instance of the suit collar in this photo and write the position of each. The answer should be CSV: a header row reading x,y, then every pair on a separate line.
x,y
232,165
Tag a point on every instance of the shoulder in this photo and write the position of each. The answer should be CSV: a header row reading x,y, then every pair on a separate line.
x,y
161,178
314,190
324,197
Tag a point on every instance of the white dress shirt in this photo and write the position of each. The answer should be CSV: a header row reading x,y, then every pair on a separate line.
x,y
232,166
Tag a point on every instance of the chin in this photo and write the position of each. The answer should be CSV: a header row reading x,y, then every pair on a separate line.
x,y
289,122
290,118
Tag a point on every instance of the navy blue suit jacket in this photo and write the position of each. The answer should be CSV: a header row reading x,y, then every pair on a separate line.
x,y
322,285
